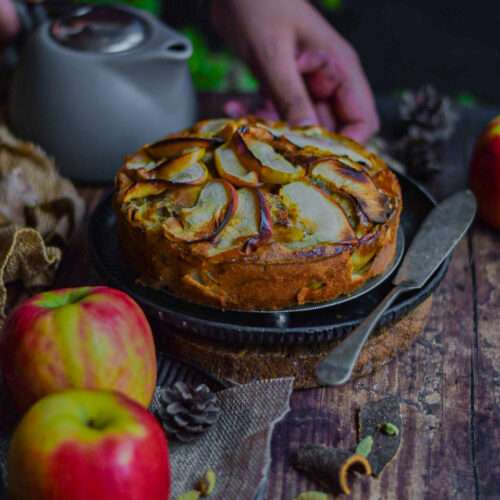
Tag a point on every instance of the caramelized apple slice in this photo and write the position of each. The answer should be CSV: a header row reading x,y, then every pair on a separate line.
x,y
355,183
140,160
229,167
195,173
209,128
216,205
180,162
323,219
145,188
261,157
338,147
176,146
228,131
265,223
243,224
251,224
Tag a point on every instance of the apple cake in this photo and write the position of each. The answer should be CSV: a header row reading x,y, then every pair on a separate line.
x,y
253,214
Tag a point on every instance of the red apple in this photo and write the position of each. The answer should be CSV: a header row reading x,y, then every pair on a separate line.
x,y
88,445
484,173
89,337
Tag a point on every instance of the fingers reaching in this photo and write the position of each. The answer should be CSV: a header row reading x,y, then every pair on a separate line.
x,y
341,87
275,65
310,72
9,21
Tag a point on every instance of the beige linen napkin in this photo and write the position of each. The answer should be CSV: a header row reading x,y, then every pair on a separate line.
x,y
39,211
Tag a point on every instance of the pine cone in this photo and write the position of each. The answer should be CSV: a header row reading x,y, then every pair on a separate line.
x,y
187,411
422,158
429,121
427,115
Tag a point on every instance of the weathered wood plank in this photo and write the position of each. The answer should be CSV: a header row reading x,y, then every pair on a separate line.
x,y
486,361
432,381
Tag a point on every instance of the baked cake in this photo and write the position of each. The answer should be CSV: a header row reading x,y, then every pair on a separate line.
x,y
253,214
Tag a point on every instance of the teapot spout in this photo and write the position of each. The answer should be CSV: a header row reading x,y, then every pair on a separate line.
x,y
178,47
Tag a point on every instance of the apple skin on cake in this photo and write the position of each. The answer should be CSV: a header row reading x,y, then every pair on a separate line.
x,y
253,214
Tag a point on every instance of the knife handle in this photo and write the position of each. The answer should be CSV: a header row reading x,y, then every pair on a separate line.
x,y
336,367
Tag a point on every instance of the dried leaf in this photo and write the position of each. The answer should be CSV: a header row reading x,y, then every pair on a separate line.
x,y
385,447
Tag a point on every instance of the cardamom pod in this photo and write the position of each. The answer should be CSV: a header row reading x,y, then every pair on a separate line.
x,y
190,495
207,482
365,446
387,428
312,495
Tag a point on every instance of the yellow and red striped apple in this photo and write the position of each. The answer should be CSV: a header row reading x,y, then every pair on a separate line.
x,y
484,173
89,337
82,444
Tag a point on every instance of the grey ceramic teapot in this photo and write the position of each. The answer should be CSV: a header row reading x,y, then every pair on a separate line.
x,y
98,83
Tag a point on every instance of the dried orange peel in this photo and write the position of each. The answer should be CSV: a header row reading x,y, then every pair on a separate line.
x,y
330,467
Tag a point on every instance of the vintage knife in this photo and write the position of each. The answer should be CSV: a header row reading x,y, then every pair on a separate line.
x,y
437,236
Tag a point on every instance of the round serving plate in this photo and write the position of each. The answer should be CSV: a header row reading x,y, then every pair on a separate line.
x,y
293,326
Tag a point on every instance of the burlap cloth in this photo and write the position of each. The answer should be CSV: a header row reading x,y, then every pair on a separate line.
x,y
39,211
237,447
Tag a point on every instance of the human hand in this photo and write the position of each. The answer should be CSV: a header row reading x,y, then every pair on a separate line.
x,y
9,21
307,71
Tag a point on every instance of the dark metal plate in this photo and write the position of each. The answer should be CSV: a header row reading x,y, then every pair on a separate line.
x,y
172,369
293,327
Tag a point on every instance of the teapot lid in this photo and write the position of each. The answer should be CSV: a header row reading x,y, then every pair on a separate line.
x,y
106,30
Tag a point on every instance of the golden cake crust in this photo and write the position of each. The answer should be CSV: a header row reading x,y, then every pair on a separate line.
x,y
234,259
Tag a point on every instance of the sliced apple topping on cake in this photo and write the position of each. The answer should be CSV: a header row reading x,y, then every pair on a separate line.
x,y
322,218
354,183
217,203
146,188
229,167
265,222
338,147
140,161
260,156
210,128
251,225
177,173
176,146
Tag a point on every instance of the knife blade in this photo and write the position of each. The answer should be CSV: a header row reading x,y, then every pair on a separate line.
x,y
441,230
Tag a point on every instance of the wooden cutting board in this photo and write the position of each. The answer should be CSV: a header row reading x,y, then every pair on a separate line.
x,y
242,363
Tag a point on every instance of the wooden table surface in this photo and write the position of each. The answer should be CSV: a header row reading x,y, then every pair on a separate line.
x,y
448,383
